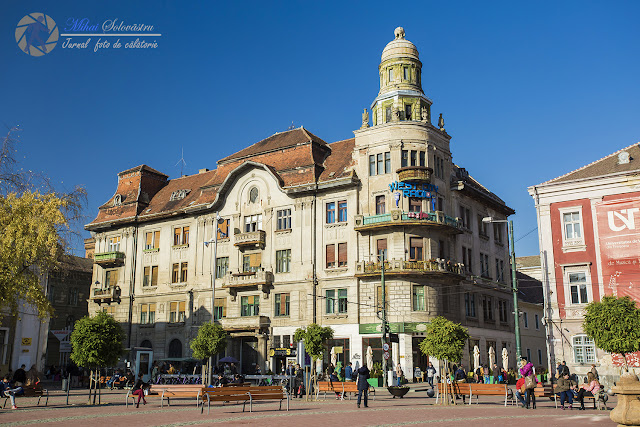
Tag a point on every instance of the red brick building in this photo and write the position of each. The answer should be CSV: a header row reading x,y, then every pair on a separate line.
x,y
589,231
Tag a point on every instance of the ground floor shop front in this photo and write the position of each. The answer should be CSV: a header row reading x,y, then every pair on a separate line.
x,y
351,342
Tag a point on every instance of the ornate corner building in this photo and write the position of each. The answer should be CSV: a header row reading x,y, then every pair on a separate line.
x,y
304,228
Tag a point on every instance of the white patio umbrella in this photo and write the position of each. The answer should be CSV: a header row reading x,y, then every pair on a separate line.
x,y
476,358
369,357
492,357
505,359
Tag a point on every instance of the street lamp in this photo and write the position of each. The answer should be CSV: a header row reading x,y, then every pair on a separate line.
x,y
514,281
214,240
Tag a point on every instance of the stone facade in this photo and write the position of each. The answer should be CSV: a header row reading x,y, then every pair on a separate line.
x,y
303,228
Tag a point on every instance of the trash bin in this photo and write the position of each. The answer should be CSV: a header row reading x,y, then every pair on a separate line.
x,y
65,384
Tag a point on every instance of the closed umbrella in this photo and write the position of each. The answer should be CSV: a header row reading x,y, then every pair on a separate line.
x,y
476,358
369,357
334,356
492,358
505,359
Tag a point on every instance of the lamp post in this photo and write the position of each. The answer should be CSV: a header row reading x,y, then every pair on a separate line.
x,y
514,281
214,240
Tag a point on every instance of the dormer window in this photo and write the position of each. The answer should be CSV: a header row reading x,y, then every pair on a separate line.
x,y
179,195
117,200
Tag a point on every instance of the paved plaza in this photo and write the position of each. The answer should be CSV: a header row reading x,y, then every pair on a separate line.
x,y
414,409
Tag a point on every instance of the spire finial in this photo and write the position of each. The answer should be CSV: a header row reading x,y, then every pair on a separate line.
x,y
399,32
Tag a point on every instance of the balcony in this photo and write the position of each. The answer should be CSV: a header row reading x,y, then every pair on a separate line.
x,y
105,295
245,279
434,267
414,174
109,259
244,323
251,239
433,219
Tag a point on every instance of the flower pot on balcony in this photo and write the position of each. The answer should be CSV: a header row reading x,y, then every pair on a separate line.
x,y
627,411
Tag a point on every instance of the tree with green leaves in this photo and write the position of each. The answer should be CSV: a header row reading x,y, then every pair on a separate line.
x,y
314,337
614,325
211,340
37,224
445,341
96,342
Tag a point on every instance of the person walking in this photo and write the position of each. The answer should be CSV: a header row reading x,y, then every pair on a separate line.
x,y
431,374
138,390
564,390
593,386
399,374
363,385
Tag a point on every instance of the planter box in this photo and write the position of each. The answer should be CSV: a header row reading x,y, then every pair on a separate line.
x,y
375,382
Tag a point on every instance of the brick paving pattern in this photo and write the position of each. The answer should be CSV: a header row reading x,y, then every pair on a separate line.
x,y
414,409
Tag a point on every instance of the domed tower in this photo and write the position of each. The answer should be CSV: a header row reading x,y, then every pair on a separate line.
x,y
401,97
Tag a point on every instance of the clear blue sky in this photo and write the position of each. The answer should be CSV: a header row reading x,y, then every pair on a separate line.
x,y
529,90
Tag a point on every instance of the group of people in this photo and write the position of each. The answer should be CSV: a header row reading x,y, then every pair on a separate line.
x,y
13,384
566,388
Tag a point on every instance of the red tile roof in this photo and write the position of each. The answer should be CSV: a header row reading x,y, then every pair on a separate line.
x,y
295,158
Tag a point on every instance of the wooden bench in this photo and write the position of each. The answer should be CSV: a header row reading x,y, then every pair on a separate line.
x,y
455,389
341,388
548,391
31,392
479,389
171,391
243,394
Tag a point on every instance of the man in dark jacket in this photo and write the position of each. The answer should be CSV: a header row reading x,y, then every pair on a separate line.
x,y
363,385
20,376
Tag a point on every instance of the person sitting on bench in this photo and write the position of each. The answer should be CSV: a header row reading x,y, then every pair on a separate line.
x,y
138,390
593,386
9,391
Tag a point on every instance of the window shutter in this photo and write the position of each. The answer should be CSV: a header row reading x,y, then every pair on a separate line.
x,y
154,276
182,306
174,307
382,244
223,229
149,240
283,303
416,242
156,239
342,253
255,260
331,254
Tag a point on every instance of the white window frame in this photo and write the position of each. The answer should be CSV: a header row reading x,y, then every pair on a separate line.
x,y
583,346
573,244
584,268
111,246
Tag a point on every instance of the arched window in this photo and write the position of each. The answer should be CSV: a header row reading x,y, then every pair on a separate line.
x,y
175,348
146,344
253,195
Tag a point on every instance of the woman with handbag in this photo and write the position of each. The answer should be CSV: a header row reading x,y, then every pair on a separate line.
x,y
526,370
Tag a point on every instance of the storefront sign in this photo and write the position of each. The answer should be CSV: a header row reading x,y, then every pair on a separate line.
x,y
410,189
337,350
26,341
282,352
399,327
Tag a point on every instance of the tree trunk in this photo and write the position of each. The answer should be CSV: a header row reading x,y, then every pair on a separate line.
x,y
90,386
626,365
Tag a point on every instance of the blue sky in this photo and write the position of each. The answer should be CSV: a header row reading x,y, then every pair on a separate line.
x,y
529,90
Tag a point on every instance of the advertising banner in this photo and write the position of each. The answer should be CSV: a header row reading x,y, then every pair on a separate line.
x,y
619,236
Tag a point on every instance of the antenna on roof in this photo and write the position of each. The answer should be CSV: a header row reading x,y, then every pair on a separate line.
x,y
291,127
182,163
